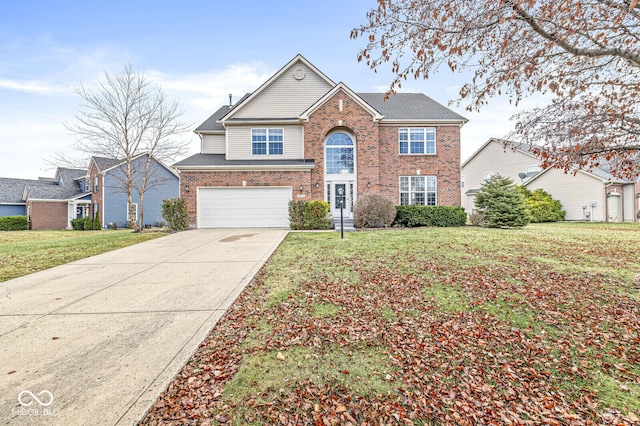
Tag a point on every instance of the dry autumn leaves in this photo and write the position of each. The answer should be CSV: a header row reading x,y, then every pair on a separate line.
x,y
431,326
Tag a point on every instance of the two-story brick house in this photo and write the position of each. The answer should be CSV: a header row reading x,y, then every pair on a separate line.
x,y
301,136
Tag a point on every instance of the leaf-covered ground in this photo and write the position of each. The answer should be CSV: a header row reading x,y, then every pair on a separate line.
x,y
428,326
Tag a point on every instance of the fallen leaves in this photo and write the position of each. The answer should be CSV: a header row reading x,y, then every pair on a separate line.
x,y
508,342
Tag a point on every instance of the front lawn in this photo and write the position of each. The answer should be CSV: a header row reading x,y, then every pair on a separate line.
x,y
25,252
427,326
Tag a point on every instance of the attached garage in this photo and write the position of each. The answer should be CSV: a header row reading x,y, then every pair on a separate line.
x,y
244,207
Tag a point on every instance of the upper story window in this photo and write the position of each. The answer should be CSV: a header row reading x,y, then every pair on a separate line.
x,y
267,141
418,140
339,154
95,184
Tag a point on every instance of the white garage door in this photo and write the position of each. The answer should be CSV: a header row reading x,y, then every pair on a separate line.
x,y
247,207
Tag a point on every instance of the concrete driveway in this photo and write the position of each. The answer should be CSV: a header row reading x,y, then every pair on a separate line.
x,y
95,341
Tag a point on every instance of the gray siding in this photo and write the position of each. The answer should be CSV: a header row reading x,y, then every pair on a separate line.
x,y
239,139
115,196
213,144
286,97
12,210
629,203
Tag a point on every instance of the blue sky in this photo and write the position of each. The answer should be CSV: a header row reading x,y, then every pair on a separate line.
x,y
197,51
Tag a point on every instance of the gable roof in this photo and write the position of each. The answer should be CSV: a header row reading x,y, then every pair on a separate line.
x,y
600,172
410,106
117,163
520,147
341,86
12,189
63,187
247,99
104,163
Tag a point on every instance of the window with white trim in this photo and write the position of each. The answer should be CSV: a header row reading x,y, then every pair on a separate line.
x,y
532,169
95,184
414,140
267,141
419,190
135,209
488,175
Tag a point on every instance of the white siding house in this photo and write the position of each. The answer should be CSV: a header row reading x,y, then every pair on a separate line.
x,y
594,195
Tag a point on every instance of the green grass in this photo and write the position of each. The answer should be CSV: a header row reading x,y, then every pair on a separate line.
x,y
549,310
26,252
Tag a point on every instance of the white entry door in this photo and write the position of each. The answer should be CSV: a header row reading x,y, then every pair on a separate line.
x,y
334,191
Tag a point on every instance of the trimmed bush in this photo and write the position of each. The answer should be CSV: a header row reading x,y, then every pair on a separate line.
x,y
174,211
309,214
374,211
96,224
77,224
14,223
316,215
439,216
88,223
541,205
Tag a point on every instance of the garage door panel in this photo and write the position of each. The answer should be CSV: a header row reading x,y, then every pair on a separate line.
x,y
244,207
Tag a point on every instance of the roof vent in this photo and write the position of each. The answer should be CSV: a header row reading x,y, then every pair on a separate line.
x,y
230,100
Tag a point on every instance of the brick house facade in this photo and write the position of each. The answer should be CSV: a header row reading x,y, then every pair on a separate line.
x,y
301,136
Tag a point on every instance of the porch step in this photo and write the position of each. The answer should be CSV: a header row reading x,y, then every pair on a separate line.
x,y
348,225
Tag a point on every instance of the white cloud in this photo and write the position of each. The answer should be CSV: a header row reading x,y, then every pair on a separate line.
x,y
32,86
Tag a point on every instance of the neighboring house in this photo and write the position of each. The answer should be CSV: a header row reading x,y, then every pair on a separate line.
x,y
11,192
107,180
52,203
594,195
301,136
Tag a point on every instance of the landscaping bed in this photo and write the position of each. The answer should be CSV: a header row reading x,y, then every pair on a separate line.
x,y
427,326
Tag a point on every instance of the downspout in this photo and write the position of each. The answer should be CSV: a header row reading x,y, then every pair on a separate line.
x,y
102,201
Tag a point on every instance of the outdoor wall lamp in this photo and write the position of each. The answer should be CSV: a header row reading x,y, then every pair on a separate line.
x,y
186,187
301,188
638,195
368,184
318,184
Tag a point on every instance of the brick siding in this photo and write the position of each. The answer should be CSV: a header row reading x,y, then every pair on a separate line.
x,y
48,215
194,180
378,162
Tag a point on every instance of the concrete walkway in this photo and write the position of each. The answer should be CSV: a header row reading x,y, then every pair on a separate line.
x,y
95,341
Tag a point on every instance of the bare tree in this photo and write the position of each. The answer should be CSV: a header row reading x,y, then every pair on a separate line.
x,y
586,54
124,117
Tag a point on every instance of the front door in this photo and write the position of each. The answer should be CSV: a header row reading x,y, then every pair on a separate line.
x,y
340,194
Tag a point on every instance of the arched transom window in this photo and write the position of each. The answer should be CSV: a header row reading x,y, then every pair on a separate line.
x,y
339,154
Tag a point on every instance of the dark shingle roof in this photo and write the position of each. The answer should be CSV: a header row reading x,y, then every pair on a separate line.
x,y
11,189
211,123
64,188
104,163
219,160
401,106
409,106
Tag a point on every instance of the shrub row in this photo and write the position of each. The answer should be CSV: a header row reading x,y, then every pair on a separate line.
x,y
440,216
13,223
309,214
86,224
